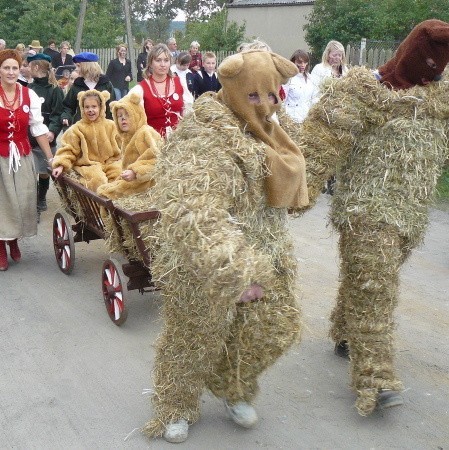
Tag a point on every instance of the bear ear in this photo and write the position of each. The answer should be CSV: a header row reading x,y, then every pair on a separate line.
x,y
113,104
285,67
134,98
440,33
106,95
231,66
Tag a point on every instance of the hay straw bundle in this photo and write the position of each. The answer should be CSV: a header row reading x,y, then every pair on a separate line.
x,y
369,280
385,181
390,173
216,236
70,202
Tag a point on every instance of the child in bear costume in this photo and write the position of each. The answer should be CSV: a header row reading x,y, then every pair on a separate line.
x,y
140,143
89,146
388,138
225,261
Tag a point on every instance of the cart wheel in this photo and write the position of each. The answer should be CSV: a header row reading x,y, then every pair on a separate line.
x,y
63,243
114,291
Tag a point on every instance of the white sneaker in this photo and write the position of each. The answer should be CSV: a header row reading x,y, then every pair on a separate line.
x,y
176,432
242,414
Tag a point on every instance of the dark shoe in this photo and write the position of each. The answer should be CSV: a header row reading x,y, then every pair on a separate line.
x,y
342,349
42,205
388,399
14,250
3,257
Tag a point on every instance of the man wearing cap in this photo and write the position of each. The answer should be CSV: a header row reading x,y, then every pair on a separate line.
x,y
90,77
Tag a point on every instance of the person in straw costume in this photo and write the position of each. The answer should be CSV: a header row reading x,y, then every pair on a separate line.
x,y
223,184
387,135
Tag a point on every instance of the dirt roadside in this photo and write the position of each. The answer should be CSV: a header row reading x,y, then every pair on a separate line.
x,y
69,378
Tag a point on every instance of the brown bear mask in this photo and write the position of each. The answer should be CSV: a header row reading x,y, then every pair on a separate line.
x,y
421,57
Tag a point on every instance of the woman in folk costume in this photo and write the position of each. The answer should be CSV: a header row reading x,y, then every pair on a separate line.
x,y
387,135
139,146
224,182
20,109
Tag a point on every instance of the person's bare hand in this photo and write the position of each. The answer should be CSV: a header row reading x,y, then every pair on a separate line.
x,y
65,122
128,175
50,136
254,292
57,171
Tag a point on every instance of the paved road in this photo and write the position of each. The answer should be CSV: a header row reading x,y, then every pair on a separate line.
x,y
70,378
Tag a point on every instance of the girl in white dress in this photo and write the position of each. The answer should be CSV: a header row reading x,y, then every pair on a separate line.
x,y
299,90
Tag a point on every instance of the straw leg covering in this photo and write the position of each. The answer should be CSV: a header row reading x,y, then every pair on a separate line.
x,y
261,332
212,342
194,333
371,259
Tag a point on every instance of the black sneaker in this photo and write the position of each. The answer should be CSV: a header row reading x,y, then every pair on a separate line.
x,y
342,349
388,399
42,205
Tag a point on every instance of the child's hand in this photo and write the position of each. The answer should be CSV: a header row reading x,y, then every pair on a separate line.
x,y
57,172
128,175
50,136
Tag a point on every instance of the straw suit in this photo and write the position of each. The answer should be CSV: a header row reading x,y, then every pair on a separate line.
x,y
224,182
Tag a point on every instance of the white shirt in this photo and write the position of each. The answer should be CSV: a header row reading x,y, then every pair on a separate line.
x,y
299,94
319,73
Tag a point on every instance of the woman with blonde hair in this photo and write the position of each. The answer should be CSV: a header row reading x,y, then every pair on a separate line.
x,y
333,63
90,77
161,92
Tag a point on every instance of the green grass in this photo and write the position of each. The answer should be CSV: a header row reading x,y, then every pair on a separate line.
x,y
443,186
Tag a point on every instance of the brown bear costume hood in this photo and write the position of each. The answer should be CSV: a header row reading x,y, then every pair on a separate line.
x,y
250,88
132,105
421,57
104,96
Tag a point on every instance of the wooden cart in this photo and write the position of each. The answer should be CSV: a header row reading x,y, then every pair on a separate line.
x,y
88,227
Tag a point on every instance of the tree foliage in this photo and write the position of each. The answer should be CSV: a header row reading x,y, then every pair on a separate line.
x,y
350,20
213,33
25,20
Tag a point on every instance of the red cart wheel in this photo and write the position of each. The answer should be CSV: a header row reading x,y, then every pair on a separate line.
x,y
114,291
63,243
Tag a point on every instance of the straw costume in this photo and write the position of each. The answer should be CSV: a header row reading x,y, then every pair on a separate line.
x,y
389,141
139,146
90,148
224,181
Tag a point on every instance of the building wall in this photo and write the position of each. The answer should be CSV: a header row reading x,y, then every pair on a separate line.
x,y
281,27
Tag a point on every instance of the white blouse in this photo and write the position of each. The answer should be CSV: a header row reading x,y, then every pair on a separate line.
x,y
36,123
299,95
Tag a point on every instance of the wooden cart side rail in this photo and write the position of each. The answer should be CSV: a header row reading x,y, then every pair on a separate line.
x,y
134,219
90,204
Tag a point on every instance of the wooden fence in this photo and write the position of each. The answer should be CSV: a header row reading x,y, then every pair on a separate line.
x,y
356,54
107,54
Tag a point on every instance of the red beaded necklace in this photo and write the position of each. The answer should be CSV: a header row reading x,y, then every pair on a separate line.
x,y
7,103
154,89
